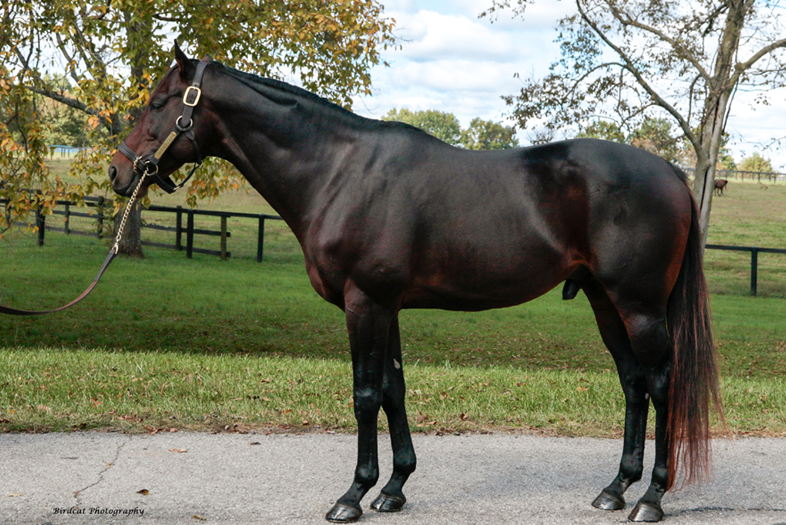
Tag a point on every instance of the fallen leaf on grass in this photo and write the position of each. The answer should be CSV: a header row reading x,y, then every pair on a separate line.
x,y
178,450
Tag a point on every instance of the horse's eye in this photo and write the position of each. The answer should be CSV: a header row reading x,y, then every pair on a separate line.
x,y
155,106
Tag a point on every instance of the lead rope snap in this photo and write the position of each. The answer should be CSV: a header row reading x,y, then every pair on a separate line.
x,y
116,247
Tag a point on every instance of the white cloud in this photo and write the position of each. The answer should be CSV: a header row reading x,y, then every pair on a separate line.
x,y
454,61
428,35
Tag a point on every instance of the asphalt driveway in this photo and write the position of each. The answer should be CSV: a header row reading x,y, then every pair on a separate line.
x,y
192,478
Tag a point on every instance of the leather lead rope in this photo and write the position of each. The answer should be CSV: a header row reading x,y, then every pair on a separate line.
x,y
112,253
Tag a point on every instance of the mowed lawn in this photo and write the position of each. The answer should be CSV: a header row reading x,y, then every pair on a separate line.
x,y
167,342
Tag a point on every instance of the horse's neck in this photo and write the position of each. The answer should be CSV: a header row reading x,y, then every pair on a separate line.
x,y
289,163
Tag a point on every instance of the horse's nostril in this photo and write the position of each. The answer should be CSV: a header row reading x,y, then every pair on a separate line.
x,y
112,173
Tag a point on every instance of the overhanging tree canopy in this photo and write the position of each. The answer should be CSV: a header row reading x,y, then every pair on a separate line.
x,y
112,50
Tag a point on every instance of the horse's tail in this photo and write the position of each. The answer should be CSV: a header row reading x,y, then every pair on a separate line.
x,y
694,371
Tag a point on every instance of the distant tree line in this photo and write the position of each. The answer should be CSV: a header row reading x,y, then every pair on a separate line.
x,y
657,136
481,134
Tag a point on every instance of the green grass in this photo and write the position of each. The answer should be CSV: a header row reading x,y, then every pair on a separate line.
x,y
749,214
155,326
57,389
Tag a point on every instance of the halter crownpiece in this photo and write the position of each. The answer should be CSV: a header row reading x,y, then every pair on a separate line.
x,y
147,165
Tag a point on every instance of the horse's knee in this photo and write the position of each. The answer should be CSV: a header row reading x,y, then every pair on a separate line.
x,y
367,403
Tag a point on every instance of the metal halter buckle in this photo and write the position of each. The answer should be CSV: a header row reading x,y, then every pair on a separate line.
x,y
192,90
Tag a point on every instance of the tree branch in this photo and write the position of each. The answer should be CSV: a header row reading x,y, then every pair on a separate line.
x,y
744,66
680,49
644,84
61,46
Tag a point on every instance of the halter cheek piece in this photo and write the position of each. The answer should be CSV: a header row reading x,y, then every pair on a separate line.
x,y
147,165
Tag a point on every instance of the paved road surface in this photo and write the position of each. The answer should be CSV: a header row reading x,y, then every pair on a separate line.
x,y
294,479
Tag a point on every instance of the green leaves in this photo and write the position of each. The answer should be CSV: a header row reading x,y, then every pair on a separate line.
x,y
111,54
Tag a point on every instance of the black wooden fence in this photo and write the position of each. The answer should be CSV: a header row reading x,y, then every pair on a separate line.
x,y
757,176
188,230
755,251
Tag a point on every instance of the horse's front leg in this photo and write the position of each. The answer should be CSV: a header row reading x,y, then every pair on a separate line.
x,y
368,324
391,498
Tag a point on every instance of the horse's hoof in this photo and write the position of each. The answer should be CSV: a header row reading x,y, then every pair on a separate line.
x,y
646,512
343,513
606,501
388,503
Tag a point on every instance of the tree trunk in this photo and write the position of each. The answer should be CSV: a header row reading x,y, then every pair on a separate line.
x,y
712,135
131,242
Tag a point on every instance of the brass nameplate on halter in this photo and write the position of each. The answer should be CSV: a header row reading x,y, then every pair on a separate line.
x,y
191,96
168,142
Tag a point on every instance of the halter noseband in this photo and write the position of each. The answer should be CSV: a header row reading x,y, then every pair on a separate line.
x,y
147,165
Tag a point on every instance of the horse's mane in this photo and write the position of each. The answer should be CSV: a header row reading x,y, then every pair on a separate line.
x,y
263,86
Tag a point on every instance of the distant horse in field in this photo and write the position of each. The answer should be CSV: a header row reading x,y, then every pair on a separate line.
x,y
389,218
720,185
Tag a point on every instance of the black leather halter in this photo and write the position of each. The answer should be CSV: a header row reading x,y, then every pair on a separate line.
x,y
148,164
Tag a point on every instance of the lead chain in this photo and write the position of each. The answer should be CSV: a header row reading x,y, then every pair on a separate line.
x,y
130,203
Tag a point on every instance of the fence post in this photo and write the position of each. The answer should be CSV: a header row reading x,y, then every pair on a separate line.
x,y
754,270
179,229
67,228
100,218
261,238
190,234
223,238
40,222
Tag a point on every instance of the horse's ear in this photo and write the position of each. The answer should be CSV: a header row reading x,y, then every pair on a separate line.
x,y
183,62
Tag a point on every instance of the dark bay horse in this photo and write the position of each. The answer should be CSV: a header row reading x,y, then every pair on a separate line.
x,y
389,218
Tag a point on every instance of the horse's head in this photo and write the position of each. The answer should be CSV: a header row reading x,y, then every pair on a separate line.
x,y
172,130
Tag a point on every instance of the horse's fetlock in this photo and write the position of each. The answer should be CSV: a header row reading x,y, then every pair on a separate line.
x,y
405,463
367,477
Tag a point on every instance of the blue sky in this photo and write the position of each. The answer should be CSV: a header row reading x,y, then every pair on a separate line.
x,y
453,61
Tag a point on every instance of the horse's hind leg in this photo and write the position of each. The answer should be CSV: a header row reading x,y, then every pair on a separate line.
x,y
650,342
391,498
368,324
634,386
645,323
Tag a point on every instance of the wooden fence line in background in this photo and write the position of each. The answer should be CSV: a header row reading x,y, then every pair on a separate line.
x,y
224,234
771,176
178,229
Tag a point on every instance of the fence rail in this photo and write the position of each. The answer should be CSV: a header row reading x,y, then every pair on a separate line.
x,y
179,229
755,251
771,176
189,230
